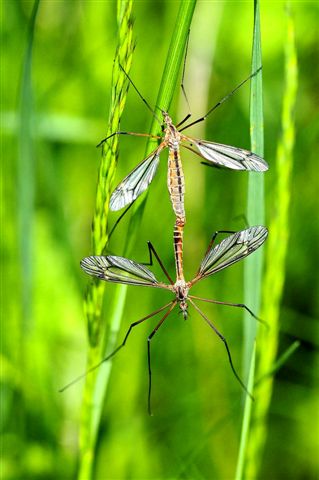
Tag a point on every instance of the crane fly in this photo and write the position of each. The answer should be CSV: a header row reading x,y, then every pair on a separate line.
x,y
216,154
122,270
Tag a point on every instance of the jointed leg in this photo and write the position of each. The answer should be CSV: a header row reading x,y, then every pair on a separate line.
x,y
182,85
140,95
240,305
126,133
119,219
152,251
149,355
221,101
108,357
223,339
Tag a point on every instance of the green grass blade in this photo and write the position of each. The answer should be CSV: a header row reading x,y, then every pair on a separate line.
x,y
255,197
96,383
275,260
279,363
246,420
26,173
255,215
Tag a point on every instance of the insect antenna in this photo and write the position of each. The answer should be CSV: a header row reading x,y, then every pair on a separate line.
x,y
140,95
222,100
108,357
223,339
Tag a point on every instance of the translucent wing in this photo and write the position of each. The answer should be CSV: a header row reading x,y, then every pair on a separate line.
x,y
119,270
227,156
231,250
136,181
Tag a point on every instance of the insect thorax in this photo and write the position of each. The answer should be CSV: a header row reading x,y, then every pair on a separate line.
x,y
181,290
172,135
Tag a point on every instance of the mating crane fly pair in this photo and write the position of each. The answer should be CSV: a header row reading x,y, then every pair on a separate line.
x,y
230,250
218,155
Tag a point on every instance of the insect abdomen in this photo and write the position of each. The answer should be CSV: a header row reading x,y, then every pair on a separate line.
x,y
176,183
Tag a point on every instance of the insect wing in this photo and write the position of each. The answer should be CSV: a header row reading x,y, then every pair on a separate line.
x,y
229,157
119,270
232,249
136,182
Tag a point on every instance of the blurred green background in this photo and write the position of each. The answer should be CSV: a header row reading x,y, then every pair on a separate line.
x,y
49,184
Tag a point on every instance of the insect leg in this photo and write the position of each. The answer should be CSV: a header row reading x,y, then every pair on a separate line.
x,y
214,236
119,219
126,133
152,251
240,305
149,355
140,95
223,339
108,357
182,84
222,100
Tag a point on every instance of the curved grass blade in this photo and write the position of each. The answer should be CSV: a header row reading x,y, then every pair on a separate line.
x,y
96,383
255,215
275,261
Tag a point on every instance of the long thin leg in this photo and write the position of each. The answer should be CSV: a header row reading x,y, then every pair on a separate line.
x,y
229,304
182,85
221,101
152,251
214,236
108,357
127,133
140,95
243,217
223,339
211,243
149,355
119,219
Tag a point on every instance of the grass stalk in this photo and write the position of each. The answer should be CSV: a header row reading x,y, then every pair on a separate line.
x,y
255,215
96,383
275,263
26,173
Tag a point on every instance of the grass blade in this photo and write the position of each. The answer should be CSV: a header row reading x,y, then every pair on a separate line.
x,y
255,215
275,261
255,197
96,383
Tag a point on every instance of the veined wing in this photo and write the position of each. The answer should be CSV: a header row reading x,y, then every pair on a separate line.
x,y
119,270
227,156
232,249
136,182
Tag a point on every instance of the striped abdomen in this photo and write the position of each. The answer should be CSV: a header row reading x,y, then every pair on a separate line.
x,y
178,249
176,183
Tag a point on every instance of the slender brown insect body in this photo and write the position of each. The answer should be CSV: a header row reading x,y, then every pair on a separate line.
x,y
139,179
176,189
